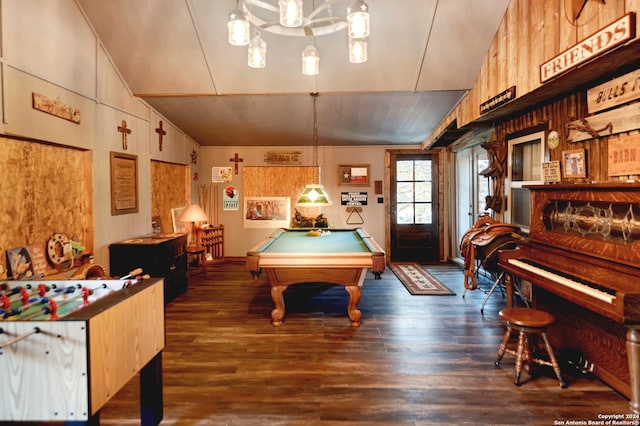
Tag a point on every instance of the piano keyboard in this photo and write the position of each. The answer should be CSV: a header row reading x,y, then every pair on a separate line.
x,y
607,296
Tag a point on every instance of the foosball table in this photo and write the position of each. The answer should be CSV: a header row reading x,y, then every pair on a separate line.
x,y
68,346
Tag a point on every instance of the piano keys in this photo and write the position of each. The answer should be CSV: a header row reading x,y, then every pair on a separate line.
x,y
582,258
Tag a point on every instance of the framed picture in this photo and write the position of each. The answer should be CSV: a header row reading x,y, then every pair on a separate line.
x,y
357,174
124,183
267,212
181,227
574,163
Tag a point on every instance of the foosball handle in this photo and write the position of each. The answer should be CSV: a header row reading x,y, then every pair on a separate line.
x,y
133,273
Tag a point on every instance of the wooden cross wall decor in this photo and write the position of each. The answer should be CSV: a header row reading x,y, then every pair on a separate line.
x,y
236,160
161,132
123,129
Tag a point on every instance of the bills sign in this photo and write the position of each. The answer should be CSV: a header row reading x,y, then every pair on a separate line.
x,y
614,34
353,198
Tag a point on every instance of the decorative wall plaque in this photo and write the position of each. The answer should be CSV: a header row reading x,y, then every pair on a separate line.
x,y
124,183
55,107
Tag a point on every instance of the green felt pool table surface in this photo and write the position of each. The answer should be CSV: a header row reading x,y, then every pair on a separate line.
x,y
330,241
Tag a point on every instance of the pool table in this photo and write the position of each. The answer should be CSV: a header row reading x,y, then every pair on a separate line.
x,y
336,256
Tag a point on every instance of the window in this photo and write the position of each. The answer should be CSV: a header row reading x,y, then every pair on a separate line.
x,y
483,184
525,157
413,192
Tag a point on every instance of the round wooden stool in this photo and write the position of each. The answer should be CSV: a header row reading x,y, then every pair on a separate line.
x,y
200,255
530,323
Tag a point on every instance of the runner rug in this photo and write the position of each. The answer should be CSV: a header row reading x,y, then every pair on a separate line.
x,y
418,281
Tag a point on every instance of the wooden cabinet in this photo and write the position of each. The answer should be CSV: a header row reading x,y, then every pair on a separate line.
x,y
212,239
159,255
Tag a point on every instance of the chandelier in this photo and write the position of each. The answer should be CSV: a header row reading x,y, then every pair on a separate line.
x,y
289,20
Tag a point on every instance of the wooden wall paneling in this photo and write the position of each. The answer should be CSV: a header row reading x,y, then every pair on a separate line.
x,y
492,74
536,43
557,114
630,6
552,28
511,53
169,189
502,57
568,35
280,181
521,32
597,15
46,189
464,112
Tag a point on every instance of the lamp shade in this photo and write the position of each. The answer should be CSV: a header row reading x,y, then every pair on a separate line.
x,y
314,195
193,213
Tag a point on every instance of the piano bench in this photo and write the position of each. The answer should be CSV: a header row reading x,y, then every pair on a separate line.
x,y
529,323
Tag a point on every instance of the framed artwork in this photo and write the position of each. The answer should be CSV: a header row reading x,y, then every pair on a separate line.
x,y
267,212
181,227
574,163
124,183
357,174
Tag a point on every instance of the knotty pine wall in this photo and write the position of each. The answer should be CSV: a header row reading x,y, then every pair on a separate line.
x,y
531,32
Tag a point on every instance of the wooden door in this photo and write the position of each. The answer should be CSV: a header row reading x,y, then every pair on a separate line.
x,y
414,208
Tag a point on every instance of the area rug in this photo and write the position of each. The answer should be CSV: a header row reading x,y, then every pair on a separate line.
x,y
418,281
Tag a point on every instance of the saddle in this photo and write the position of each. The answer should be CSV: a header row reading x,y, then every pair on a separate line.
x,y
482,242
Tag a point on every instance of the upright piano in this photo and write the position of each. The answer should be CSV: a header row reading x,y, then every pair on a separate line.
x,y
582,258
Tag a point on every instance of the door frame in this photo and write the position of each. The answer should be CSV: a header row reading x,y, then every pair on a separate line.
x,y
437,157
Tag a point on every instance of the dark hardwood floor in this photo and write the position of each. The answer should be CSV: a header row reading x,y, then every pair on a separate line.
x,y
416,360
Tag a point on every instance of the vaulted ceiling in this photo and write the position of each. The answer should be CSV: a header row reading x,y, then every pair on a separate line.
x,y
423,56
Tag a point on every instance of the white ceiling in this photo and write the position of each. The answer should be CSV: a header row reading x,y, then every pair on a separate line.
x,y
423,56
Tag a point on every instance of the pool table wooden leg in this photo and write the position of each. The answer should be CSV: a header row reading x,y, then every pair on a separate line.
x,y
354,298
277,314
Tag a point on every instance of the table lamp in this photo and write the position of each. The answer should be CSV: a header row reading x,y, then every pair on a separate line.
x,y
193,214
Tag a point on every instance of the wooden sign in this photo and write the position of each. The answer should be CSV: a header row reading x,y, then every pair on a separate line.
x,y
616,33
282,157
498,100
55,107
616,92
551,171
619,120
624,156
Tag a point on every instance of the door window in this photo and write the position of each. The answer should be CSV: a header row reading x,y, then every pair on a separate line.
x,y
413,192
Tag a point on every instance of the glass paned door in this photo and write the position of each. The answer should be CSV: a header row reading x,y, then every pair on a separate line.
x,y
414,235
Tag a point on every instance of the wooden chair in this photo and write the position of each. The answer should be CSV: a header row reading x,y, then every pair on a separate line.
x,y
530,323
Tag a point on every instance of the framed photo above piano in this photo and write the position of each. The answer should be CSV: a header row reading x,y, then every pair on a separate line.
x,y
574,165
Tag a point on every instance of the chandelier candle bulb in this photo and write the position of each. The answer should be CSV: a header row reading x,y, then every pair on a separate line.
x,y
238,26
257,53
358,19
292,21
290,13
357,50
310,60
